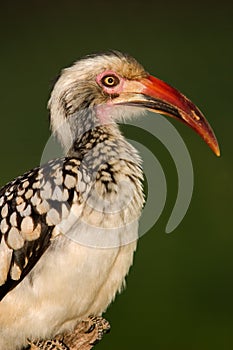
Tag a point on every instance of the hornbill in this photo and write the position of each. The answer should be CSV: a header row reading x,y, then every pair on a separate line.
x,y
69,228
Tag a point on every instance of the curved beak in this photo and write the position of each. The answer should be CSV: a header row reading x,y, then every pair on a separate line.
x,y
157,96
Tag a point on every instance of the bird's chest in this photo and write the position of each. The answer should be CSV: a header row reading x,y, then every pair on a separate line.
x,y
106,207
88,262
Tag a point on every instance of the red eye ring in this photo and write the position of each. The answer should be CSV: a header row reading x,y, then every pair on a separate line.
x,y
110,80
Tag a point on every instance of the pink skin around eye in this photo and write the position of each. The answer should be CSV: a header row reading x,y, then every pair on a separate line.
x,y
110,90
104,111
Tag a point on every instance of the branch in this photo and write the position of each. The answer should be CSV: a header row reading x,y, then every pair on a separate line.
x,y
86,334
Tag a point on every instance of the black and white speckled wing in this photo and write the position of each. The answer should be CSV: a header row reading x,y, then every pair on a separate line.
x,y
30,208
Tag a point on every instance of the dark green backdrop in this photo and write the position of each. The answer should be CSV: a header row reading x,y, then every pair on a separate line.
x,y
180,289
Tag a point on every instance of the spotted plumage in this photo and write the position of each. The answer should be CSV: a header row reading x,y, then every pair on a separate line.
x,y
31,206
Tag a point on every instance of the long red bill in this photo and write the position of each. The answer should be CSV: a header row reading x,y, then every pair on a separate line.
x,y
164,99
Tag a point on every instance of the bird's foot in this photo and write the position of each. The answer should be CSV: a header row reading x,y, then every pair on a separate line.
x,y
101,325
85,335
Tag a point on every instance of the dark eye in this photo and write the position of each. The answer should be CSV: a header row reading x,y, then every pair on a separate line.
x,y
110,80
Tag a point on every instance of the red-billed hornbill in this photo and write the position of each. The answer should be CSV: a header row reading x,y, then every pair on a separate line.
x,y
64,226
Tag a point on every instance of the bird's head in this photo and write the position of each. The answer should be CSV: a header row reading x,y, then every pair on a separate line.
x,y
108,82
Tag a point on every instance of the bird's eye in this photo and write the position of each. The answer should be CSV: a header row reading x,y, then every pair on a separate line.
x,y
110,80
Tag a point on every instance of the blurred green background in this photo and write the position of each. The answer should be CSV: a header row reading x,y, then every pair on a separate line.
x,y
180,289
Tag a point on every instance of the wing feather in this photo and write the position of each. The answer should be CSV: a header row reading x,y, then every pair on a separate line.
x,y
30,208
